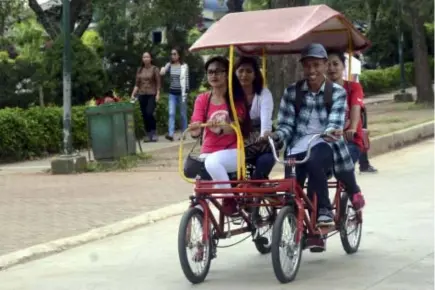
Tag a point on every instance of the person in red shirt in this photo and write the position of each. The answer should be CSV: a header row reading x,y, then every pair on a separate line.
x,y
353,130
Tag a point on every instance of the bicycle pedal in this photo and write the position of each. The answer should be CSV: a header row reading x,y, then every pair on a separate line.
x,y
316,249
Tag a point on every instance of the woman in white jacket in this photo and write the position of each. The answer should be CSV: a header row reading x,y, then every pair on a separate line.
x,y
178,90
260,103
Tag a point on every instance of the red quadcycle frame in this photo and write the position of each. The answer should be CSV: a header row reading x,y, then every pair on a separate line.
x,y
279,195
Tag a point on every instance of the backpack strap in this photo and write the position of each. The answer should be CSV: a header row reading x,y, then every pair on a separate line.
x,y
205,117
327,96
299,97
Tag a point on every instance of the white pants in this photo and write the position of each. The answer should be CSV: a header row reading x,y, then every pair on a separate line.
x,y
218,164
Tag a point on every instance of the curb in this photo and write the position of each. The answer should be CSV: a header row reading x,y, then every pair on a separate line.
x,y
401,138
379,145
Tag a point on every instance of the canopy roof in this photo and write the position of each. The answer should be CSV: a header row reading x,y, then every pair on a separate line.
x,y
282,31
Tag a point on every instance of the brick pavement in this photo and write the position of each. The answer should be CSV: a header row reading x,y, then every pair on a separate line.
x,y
38,207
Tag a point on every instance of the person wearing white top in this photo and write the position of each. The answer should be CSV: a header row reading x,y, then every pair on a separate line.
x,y
260,103
355,68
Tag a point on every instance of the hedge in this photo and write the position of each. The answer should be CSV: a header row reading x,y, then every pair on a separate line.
x,y
35,132
384,80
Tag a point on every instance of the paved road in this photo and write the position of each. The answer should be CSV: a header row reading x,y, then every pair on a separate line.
x,y
396,251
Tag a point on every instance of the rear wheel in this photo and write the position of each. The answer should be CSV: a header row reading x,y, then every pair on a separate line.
x,y
192,248
263,216
350,225
286,252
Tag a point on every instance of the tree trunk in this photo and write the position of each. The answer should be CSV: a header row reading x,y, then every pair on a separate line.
x,y
423,79
235,5
283,69
52,29
41,96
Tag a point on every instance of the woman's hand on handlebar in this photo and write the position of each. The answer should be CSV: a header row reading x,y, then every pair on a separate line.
x,y
195,129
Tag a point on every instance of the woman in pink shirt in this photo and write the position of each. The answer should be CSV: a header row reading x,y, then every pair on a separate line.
x,y
219,147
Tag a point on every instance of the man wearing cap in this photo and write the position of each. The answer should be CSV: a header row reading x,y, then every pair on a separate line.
x,y
297,125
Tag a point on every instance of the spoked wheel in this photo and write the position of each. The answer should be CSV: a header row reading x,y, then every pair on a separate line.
x,y
286,252
194,253
351,226
264,216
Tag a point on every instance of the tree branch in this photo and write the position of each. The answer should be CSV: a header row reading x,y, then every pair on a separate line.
x,y
52,30
86,19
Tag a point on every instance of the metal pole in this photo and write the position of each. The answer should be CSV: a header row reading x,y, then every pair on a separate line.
x,y
401,63
67,136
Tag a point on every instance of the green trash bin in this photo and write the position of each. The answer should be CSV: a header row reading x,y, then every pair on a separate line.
x,y
111,130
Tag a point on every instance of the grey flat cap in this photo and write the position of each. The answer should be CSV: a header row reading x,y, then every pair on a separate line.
x,y
315,50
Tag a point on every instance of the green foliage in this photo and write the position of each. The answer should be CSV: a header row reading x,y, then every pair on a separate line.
x,y
28,37
9,11
384,80
16,79
88,76
36,132
93,40
126,33
124,163
251,5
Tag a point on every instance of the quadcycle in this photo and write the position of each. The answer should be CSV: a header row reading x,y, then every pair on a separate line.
x,y
268,210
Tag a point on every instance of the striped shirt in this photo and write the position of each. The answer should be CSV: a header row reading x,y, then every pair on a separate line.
x,y
175,83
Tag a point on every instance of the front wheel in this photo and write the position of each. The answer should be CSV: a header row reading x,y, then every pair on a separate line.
x,y
190,241
286,252
350,225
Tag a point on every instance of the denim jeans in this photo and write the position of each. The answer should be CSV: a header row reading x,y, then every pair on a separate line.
x,y
175,100
147,106
354,151
321,160
263,166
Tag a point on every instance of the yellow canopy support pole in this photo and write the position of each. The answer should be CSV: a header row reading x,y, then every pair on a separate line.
x,y
241,168
264,67
350,48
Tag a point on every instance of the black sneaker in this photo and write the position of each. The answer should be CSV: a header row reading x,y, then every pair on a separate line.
x,y
170,138
369,169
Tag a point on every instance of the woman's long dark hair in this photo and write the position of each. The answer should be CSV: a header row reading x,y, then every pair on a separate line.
x,y
180,56
340,56
141,61
238,94
258,80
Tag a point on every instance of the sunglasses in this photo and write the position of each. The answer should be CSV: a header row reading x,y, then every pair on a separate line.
x,y
216,72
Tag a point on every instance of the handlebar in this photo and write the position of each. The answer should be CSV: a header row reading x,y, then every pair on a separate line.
x,y
307,156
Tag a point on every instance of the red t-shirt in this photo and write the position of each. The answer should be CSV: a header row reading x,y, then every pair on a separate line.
x,y
213,142
355,97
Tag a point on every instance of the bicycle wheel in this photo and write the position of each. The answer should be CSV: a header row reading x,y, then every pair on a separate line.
x,y
265,216
286,251
201,250
350,226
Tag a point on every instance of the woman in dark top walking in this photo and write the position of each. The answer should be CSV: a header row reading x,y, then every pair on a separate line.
x,y
178,90
147,91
